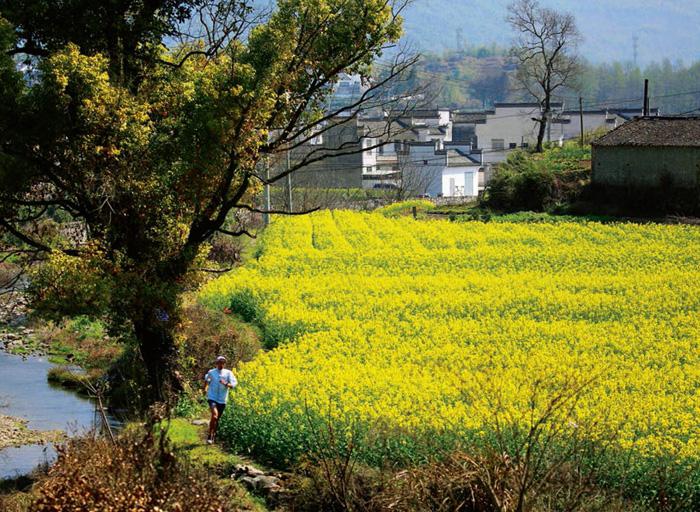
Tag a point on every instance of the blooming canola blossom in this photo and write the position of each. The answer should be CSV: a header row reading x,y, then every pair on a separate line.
x,y
418,327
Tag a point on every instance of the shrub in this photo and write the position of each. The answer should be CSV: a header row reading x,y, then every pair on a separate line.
x,y
82,341
138,472
69,378
206,333
225,250
8,274
530,182
244,304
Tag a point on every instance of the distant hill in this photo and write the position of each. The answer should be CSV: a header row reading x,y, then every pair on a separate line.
x,y
665,28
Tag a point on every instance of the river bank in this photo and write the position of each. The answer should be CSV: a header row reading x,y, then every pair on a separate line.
x,y
14,433
36,413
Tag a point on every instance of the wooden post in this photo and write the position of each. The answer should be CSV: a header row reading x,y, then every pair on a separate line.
x,y
580,110
415,212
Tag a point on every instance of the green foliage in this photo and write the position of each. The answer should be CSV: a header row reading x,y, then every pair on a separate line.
x,y
188,407
46,26
64,285
474,80
273,333
81,341
205,333
71,378
245,305
532,182
187,441
149,149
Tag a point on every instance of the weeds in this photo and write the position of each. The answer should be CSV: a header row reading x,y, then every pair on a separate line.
x,y
138,472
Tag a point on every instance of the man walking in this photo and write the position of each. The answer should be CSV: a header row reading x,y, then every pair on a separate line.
x,y
217,382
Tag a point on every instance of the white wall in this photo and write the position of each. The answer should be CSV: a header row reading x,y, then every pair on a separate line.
x,y
460,181
512,124
424,162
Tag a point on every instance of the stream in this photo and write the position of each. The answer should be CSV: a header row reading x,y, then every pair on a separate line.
x,y
26,393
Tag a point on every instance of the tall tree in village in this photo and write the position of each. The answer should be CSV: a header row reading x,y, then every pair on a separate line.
x,y
144,124
545,49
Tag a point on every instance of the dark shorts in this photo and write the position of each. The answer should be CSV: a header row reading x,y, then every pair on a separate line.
x,y
219,407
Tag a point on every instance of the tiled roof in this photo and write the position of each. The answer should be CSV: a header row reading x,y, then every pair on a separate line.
x,y
655,132
457,158
554,104
469,117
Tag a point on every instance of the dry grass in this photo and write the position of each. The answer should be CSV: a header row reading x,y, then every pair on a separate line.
x,y
138,472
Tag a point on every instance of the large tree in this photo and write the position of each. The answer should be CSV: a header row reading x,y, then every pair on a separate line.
x,y
545,51
146,122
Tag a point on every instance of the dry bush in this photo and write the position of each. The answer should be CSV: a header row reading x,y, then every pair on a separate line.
x,y
225,250
493,483
8,274
334,485
205,333
541,462
138,472
80,341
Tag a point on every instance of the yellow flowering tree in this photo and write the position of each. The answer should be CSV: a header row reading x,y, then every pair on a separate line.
x,y
150,151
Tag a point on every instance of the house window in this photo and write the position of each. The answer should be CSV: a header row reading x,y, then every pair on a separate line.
x,y
513,145
498,144
425,162
526,145
368,170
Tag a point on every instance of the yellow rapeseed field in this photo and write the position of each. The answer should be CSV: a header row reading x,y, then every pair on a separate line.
x,y
424,331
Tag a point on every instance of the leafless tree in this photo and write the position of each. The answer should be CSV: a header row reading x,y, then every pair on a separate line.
x,y
414,179
545,49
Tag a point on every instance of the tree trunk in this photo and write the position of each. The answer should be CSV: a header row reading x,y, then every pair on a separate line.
x,y
541,132
154,334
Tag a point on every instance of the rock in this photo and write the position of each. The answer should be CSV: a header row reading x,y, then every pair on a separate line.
x,y
200,423
244,470
248,482
264,483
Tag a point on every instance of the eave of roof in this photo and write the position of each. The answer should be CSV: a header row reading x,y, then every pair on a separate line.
x,y
654,132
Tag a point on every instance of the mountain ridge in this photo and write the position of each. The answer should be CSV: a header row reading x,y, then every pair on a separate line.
x,y
665,29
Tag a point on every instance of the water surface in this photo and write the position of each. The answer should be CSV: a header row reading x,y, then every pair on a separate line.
x,y
26,393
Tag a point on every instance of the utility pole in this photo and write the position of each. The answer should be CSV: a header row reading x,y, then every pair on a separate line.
x,y
289,181
580,111
266,215
645,110
635,45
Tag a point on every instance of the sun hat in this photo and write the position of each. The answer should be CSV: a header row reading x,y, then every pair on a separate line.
x,y
220,358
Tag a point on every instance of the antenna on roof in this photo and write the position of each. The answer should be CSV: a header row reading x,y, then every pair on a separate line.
x,y
645,110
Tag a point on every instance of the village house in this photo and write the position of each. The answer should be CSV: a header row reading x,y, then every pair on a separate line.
x,y
382,149
511,126
649,152
567,125
441,169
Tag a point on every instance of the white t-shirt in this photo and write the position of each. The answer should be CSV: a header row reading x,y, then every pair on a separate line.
x,y
218,391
